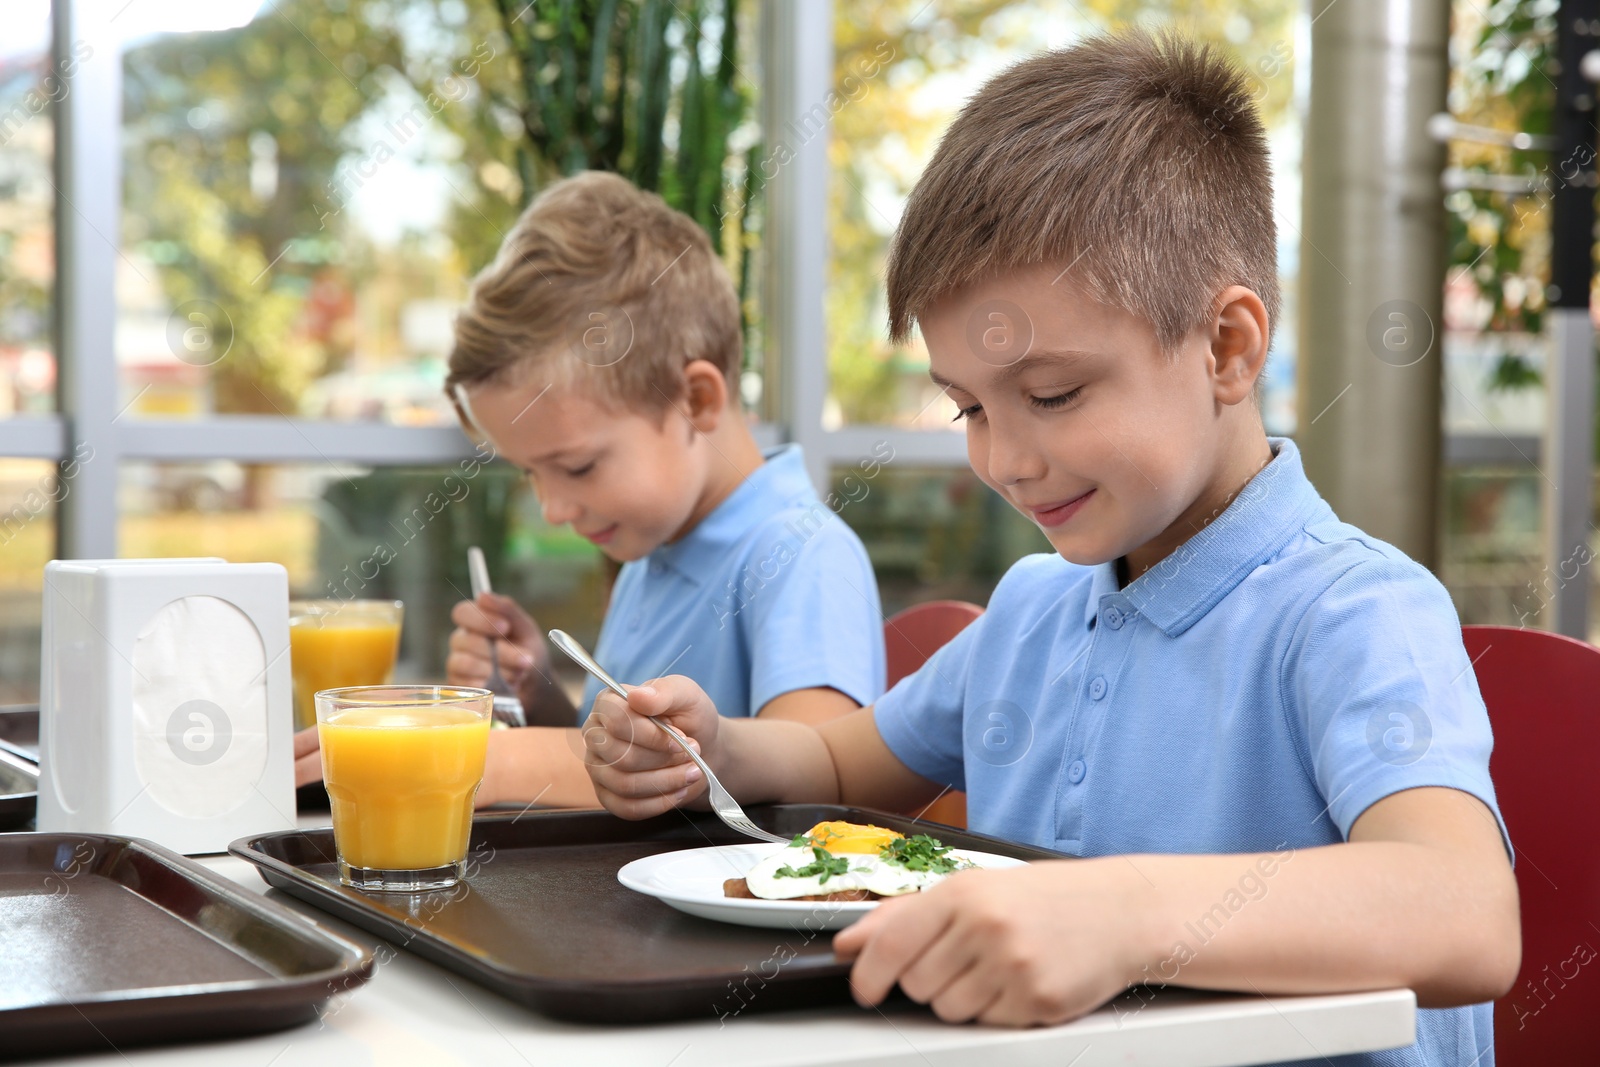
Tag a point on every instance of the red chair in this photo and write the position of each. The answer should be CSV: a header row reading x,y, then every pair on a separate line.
x,y
909,639
1543,695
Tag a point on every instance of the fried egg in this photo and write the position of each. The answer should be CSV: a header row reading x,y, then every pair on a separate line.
x,y
833,857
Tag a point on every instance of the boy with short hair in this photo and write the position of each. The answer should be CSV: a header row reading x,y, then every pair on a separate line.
x,y
601,354
1256,724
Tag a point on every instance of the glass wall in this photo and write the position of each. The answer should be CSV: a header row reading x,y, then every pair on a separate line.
x,y
932,533
1497,203
29,86
30,489
903,69
307,196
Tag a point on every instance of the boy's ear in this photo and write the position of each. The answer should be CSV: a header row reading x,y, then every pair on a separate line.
x,y
706,394
1238,338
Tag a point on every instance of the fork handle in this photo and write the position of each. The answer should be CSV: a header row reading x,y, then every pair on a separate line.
x,y
683,743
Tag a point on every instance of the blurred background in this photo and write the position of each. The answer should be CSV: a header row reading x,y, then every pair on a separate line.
x,y
233,235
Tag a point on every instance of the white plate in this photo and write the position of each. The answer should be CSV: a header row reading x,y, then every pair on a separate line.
x,y
691,881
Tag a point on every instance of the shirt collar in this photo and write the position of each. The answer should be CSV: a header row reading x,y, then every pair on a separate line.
x,y
1177,592
702,554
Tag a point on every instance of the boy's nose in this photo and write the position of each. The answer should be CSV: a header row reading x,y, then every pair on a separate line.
x,y
558,510
1013,459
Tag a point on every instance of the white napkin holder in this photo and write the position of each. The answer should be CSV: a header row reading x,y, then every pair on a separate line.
x,y
164,701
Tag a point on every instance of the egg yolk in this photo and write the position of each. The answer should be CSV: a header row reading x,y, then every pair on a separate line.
x,y
839,837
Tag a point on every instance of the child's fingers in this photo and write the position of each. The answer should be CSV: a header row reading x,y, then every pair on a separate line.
x,y
306,741
927,977
973,994
643,785
904,930
471,616
470,642
513,659
464,668
520,626
308,769
625,724
680,702
629,808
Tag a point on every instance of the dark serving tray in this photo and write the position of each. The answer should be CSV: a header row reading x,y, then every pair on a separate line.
x,y
19,791
19,730
110,941
543,920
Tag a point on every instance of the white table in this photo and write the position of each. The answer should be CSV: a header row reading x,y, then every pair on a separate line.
x,y
414,1012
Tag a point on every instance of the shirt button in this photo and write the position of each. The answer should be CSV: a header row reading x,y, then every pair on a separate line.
x,y
1076,770
637,621
1114,618
1097,689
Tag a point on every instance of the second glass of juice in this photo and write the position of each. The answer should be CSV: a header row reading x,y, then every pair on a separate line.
x,y
338,643
402,764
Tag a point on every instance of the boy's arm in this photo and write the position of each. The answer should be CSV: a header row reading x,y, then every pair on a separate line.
x,y
536,765
1421,896
810,706
638,771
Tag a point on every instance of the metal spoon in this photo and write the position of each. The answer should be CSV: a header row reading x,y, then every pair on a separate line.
x,y
507,705
722,802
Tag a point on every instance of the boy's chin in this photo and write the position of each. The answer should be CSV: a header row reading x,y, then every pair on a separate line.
x,y
625,553
1085,552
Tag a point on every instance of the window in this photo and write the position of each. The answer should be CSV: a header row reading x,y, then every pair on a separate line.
x,y
307,196
29,86
932,533
29,492
903,68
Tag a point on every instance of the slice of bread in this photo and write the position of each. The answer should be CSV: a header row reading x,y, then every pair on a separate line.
x,y
740,889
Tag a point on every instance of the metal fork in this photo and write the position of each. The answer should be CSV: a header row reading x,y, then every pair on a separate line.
x,y
507,709
722,802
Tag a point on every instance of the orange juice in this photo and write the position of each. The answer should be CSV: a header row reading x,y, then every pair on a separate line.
x,y
401,781
333,645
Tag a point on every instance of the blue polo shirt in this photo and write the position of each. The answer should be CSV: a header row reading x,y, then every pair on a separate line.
x,y
769,593
1254,692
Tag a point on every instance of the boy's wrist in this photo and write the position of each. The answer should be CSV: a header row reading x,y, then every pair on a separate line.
x,y
1149,925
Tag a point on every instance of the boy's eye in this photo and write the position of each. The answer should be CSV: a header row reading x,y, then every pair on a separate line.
x,y
1060,400
579,472
968,412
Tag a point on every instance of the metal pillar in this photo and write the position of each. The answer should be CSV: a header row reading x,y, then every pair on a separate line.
x,y
798,101
1570,371
88,170
1372,266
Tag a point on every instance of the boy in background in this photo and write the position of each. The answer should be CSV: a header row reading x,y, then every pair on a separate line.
x,y
1256,725
601,353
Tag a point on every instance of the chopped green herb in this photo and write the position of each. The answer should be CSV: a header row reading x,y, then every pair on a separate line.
x,y
799,841
920,853
826,864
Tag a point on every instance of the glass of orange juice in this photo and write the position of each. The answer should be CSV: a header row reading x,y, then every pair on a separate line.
x,y
402,764
335,643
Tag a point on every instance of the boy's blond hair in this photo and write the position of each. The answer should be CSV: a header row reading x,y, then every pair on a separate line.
x,y
1136,164
602,285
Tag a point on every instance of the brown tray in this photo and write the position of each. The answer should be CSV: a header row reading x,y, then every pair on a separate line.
x,y
110,941
543,920
19,791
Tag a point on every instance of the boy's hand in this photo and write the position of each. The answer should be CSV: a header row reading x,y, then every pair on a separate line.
x,y
518,642
637,770
307,757
1038,944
